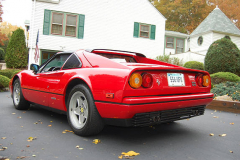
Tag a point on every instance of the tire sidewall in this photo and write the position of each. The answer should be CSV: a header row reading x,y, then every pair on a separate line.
x,y
91,105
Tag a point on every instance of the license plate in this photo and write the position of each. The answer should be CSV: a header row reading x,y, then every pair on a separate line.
x,y
175,79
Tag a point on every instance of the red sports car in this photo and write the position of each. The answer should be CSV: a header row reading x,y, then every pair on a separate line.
x,y
99,87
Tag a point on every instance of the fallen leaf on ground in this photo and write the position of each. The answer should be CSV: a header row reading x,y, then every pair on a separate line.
x,y
49,125
24,112
64,132
68,131
231,123
51,121
215,116
222,135
77,146
128,155
27,146
3,148
30,139
3,137
35,123
231,151
19,117
211,134
215,111
13,113
80,148
96,141
34,155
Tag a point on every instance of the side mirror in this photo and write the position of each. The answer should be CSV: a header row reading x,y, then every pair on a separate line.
x,y
34,67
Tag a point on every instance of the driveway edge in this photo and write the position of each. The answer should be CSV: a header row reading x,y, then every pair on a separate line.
x,y
227,106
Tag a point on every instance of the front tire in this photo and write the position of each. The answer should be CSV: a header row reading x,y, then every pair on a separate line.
x,y
20,103
83,116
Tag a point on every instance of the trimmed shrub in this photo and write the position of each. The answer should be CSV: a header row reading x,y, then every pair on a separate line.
x,y
194,65
221,77
16,55
231,89
2,54
9,72
223,56
4,81
166,58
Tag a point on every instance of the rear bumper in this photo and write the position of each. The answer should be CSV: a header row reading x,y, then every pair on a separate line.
x,y
134,105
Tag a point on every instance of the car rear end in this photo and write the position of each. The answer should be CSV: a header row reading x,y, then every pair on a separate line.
x,y
157,92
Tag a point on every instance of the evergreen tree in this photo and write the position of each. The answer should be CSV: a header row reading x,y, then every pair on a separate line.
x,y
16,55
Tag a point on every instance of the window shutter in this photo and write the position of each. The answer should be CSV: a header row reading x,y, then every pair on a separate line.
x,y
136,30
46,22
153,30
81,26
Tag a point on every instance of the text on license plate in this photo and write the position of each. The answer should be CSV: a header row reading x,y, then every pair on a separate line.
x,y
175,79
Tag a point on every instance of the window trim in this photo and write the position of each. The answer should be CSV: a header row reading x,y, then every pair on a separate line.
x,y
67,14
171,43
53,23
179,47
198,41
149,30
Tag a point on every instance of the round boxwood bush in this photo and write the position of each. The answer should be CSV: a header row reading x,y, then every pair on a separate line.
x,y
223,56
9,72
220,77
194,65
4,81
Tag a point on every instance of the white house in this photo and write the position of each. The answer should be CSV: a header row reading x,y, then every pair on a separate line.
x,y
175,42
215,26
63,25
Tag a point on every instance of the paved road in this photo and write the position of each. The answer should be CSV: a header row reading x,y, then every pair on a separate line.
x,y
182,140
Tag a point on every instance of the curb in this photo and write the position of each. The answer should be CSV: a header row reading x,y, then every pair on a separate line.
x,y
227,106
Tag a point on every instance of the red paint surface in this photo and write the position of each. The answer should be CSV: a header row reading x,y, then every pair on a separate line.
x,y
104,76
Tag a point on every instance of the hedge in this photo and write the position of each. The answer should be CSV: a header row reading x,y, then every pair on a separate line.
x,y
194,65
9,72
221,77
4,81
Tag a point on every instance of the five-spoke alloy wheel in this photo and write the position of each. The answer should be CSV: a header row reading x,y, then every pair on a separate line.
x,y
83,116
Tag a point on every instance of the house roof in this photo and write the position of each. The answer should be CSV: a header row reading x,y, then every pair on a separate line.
x,y
216,21
176,34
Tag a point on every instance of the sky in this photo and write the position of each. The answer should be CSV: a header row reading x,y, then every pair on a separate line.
x,y
16,11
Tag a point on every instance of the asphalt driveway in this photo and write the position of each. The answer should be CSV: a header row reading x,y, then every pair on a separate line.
x,y
40,134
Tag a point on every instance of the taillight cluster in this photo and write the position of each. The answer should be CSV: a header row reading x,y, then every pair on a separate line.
x,y
137,80
203,80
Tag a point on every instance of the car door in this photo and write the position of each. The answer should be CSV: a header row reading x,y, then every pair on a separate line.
x,y
49,75
58,80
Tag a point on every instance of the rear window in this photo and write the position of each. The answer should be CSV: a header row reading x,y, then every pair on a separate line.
x,y
118,58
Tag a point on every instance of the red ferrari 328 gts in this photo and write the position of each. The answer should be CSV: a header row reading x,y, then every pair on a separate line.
x,y
98,87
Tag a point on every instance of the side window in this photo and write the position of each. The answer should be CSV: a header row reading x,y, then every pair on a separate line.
x,y
56,63
72,62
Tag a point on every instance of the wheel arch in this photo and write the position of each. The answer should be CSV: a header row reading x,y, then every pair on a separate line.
x,y
70,85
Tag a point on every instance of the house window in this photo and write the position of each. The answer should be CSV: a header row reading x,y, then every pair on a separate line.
x,y
46,55
170,42
180,46
63,24
200,40
71,25
57,23
147,31
144,31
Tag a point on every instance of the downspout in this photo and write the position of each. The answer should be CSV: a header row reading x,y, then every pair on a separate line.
x,y
32,29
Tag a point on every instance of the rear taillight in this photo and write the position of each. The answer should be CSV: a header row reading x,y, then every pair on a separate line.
x,y
147,80
203,80
135,80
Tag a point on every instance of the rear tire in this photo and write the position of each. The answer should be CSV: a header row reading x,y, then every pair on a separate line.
x,y
82,114
19,101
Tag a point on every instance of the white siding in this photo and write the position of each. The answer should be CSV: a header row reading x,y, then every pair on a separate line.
x,y
108,25
189,56
207,41
235,39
